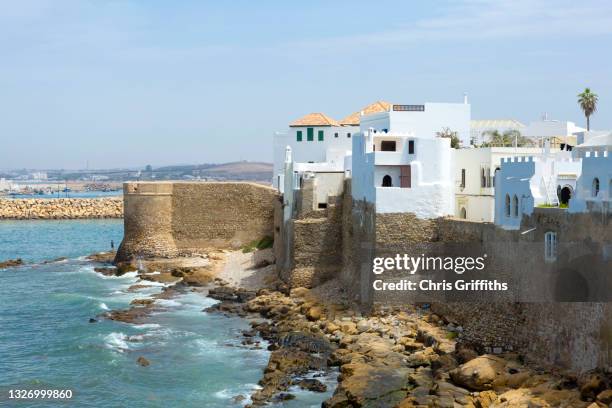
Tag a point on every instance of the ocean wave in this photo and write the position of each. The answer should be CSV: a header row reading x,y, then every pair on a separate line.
x,y
168,302
103,306
117,341
145,326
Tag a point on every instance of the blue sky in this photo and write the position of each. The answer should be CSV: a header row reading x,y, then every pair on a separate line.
x,y
128,83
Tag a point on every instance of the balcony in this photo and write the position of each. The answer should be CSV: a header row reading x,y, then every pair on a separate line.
x,y
391,158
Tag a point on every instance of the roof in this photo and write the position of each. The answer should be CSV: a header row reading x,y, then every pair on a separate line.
x,y
354,118
496,123
314,119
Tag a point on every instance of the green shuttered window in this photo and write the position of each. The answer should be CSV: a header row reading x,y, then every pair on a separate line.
x,y
299,135
310,134
320,135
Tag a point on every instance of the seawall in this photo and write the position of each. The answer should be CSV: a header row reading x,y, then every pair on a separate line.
x,y
60,208
165,219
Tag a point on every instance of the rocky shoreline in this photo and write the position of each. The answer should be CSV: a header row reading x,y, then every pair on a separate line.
x,y
400,357
60,208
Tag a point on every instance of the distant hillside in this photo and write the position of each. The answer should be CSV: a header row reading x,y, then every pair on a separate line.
x,y
253,171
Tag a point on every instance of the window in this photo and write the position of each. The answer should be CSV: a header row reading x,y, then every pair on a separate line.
x,y
495,175
309,134
387,145
488,174
507,205
348,135
550,246
299,135
336,134
595,190
409,108
321,136
515,205
463,213
386,181
411,147
483,179
462,185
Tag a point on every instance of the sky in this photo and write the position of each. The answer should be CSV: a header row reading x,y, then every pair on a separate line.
x,y
100,83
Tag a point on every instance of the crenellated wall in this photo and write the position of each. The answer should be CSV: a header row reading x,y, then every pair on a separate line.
x,y
164,219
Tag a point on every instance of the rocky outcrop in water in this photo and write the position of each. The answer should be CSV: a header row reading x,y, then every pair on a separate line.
x,y
9,263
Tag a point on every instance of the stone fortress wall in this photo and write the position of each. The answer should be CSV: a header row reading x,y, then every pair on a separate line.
x,y
60,208
340,241
164,219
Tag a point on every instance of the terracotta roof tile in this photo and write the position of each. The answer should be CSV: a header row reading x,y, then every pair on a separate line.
x,y
314,119
354,118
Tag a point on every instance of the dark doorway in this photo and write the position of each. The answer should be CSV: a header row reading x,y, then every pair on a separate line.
x,y
566,195
387,146
387,181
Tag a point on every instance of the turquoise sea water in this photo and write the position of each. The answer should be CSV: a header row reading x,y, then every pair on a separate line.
x,y
47,342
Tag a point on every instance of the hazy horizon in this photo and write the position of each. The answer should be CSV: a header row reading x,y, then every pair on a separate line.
x,y
126,84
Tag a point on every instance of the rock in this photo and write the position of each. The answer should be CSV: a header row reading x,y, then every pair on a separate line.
x,y
92,320
106,270
480,373
348,327
363,326
519,398
591,384
143,361
314,313
384,385
605,397
312,384
283,396
238,399
142,302
10,263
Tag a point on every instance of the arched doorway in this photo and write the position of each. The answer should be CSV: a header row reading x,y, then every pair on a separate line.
x,y
387,182
463,213
565,195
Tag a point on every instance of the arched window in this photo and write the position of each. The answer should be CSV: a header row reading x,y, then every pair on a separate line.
x,y
463,213
387,181
595,189
515,205
507,205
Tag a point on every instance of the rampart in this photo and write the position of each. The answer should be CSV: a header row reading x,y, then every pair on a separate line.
x,y
164,219
60,208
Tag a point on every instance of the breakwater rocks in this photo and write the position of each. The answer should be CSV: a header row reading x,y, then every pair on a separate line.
x,y
61,208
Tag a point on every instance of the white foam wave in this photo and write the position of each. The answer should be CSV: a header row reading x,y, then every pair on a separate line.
x,y
103,306
117,341
146,326
168,302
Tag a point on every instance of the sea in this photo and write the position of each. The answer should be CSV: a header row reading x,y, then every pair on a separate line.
x,y
47,342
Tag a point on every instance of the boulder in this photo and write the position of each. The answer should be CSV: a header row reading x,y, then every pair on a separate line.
x,y
143,361
480,373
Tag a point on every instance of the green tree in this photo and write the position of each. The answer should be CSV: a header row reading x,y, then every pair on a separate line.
x,y
507,139
452,135
588,103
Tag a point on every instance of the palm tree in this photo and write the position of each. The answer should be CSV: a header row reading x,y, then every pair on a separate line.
x,y
588,103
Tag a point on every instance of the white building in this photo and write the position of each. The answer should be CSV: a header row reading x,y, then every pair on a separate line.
x,y
480,129
556,132
400,164
594,187
474,170
316,139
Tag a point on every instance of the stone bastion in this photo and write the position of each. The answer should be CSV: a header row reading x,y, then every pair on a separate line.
x,y
166,219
